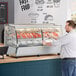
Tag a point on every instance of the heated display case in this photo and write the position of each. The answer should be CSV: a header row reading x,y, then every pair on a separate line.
x,y
25,40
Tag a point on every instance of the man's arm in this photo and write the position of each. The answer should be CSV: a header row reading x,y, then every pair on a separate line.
x,y
61,41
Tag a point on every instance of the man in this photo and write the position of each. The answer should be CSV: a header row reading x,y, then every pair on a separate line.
x,y
68,49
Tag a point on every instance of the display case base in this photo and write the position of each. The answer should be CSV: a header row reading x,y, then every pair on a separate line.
x,y
30,51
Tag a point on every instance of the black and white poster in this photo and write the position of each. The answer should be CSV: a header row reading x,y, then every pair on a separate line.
x,y
3,12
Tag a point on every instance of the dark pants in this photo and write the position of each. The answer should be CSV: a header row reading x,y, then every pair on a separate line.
x,y
68,67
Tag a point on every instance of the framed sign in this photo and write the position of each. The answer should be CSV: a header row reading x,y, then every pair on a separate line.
x,y
3,12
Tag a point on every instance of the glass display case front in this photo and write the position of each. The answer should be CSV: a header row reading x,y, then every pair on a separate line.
x,y
30,36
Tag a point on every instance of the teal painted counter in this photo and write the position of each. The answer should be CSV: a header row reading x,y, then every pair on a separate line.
x,y
47,67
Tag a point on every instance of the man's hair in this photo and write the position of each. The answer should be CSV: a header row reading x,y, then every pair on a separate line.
x,y
71,23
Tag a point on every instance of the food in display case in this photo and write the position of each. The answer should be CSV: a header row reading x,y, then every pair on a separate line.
x,y
49,34
27,34
25,41
29,37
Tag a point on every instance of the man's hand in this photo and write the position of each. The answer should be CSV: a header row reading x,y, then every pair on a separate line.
x,y
47,43
51,36
54,37
43,42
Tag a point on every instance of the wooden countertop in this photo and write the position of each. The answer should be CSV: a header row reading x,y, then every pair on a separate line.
x,y
31,58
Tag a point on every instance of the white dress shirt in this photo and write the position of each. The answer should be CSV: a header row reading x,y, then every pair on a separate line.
x,y
68,45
